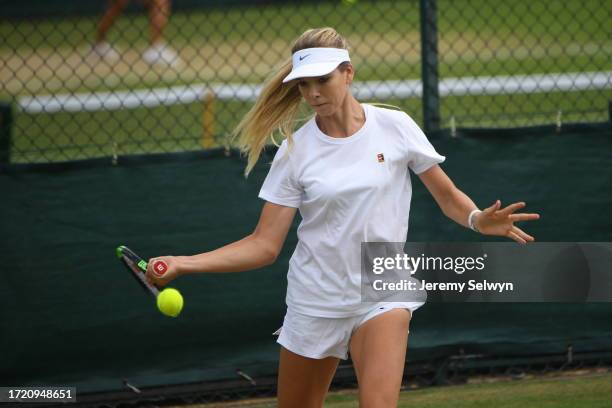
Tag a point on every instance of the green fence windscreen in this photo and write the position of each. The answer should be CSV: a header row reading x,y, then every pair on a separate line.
x,y
71,315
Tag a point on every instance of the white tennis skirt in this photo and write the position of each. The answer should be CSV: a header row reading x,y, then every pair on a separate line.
x,y
320,337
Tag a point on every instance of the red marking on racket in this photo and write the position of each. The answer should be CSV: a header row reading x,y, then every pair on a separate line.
x,y
160,268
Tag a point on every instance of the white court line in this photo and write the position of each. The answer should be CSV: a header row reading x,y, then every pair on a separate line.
x,y
364,90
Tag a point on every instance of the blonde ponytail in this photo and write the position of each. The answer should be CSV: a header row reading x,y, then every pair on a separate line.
x,y
279,103
275,108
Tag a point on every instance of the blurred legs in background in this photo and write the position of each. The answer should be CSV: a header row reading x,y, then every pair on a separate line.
x,y
158,51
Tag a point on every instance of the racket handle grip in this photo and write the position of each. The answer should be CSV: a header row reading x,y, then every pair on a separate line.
x,y
160,268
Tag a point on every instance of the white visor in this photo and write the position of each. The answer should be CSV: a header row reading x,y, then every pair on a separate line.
x,y
313,62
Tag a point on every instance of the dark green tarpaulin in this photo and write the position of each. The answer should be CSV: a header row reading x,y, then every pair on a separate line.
x,y
71,315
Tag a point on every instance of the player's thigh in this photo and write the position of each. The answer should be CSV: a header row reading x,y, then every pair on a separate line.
x,y
302,381
378,352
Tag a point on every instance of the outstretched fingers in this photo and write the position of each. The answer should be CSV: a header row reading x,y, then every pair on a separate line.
x,y
493,208
520,236
524,217
511,208
515,237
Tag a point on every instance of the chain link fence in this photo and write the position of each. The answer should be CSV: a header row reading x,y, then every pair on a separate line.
x,y
104,81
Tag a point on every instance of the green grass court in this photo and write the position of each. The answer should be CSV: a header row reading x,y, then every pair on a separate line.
x,y
476,37
242,45
563,392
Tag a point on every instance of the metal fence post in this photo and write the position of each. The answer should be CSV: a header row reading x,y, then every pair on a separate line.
x,y
429,65
6,123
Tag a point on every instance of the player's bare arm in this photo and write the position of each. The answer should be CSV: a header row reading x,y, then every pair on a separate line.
x,y
256,250
456,205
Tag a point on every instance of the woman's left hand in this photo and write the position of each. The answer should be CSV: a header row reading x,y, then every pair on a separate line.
x,y
500,222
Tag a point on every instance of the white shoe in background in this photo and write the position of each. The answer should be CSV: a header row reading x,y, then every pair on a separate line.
x,y
162,54
105,51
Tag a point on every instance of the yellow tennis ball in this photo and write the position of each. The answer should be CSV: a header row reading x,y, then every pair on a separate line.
x,y
170,302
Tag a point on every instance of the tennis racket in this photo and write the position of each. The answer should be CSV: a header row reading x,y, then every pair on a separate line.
x,y
138,268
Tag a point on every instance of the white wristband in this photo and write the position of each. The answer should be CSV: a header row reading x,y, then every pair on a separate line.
x,y
471,223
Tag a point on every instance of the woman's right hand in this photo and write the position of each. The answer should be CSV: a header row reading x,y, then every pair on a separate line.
x,y
171,273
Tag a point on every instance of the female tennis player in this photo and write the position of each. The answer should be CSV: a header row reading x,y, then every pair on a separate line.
x,y
346,170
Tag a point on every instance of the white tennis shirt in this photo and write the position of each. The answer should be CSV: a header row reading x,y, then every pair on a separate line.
x,y
348,190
